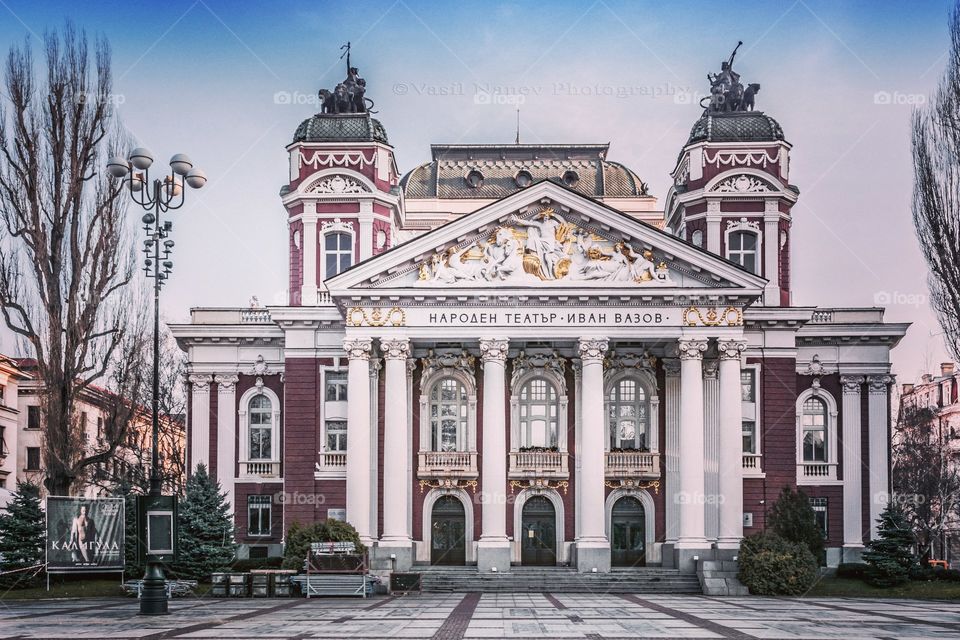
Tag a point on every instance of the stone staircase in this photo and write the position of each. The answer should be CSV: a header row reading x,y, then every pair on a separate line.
x,y
719,578
557,580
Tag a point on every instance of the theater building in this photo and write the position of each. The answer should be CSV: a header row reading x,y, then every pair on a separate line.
x,y
513,354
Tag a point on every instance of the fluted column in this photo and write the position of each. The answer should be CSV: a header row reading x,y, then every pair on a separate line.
x,y
691,442
493,550
593,547
395,445
879,426
199,421
852,467
227,434
671,367
358,436
730,484
711,449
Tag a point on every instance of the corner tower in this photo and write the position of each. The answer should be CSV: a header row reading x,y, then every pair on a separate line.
x,y
731,192
343,204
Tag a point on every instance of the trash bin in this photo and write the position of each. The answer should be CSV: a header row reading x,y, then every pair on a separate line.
x,y
218,588
281,583
239,585
260,584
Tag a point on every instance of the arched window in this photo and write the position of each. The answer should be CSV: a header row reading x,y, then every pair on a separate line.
x,y
813,421
539,408
448,415
261,428
742,249
628,415
338,249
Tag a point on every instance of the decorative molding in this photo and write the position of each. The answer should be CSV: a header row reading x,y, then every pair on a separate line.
x,y
539,484
449,483
336,225
462,362
376,317
748,158
592,349
323,159
731,349
357,348
671,367
200,382
553,363
494,349
743,225
260,367
692,349
338,184
729,317
742,183
395,348
616,361
631,485
815,368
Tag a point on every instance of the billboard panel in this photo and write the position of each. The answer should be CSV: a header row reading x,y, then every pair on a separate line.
x,y
85,534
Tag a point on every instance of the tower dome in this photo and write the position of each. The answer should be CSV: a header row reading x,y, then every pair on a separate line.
x,y
737,126
346,127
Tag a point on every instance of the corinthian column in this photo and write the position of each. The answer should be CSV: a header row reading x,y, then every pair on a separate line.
x,y
593,547
691,496
852,468
199,421
879,426
493,550
358,436
731,446
396,533
226,434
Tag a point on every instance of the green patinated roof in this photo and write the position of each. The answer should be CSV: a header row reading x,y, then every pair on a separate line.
x,y
353,127
748,126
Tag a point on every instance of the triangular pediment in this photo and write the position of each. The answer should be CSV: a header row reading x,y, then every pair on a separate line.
x,y
550,238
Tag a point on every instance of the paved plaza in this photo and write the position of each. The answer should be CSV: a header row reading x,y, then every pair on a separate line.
x,y
453,616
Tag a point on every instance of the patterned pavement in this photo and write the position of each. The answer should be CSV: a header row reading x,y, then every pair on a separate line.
x,y
476,616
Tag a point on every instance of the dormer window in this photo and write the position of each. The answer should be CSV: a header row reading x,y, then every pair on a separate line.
x,y
523,179
570,178
474,179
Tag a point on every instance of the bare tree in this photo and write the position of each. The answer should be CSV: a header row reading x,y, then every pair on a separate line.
x,y
926,477
65,259
936,191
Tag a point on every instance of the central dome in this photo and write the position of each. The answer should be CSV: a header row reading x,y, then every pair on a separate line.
x,y
347,127
742,126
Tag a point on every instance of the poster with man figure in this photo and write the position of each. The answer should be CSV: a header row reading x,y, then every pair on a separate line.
x,y
84,534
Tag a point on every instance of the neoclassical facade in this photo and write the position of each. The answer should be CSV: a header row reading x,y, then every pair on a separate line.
x,y
513,355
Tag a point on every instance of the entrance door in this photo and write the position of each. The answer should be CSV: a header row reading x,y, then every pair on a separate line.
x,y
628,533
538,531
448,541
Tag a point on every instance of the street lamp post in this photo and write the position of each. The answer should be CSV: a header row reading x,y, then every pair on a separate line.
x,y
156,198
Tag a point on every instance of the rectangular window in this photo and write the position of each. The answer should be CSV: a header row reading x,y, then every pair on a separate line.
x,y
258,515
99,426
33,459
749,428
820,513
336,387
748,386
33,417
336,435
3,441
3,395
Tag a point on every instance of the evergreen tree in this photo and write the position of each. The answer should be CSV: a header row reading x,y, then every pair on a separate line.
x,y
792,518
22,537
206,528
890,555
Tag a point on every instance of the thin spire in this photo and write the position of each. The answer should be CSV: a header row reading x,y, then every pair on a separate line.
x,y
517,141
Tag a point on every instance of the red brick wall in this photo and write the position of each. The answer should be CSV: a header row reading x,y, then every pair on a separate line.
x,y
302,404
242,491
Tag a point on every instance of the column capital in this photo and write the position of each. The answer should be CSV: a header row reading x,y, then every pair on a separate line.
x,y
731,349
494,349
395,348
671,367
691,348
227,383
592,350
710,369
357,348
200,381
879,384
851,384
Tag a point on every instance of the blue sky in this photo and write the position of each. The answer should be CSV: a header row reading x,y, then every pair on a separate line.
x,y
203,78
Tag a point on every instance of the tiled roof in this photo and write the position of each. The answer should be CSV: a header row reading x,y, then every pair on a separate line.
x,y
750,126
354,127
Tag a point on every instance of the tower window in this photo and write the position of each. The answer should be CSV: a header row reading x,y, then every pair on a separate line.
x,y
474,179
742,249
570,178
338,249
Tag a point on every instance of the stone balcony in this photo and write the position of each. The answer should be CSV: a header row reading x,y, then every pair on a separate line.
x,y
447,464
539,464
330,464
632,464
816,472
259,469
752,464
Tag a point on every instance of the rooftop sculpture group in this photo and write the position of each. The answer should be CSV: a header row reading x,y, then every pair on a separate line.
x,y
348,96
727,93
